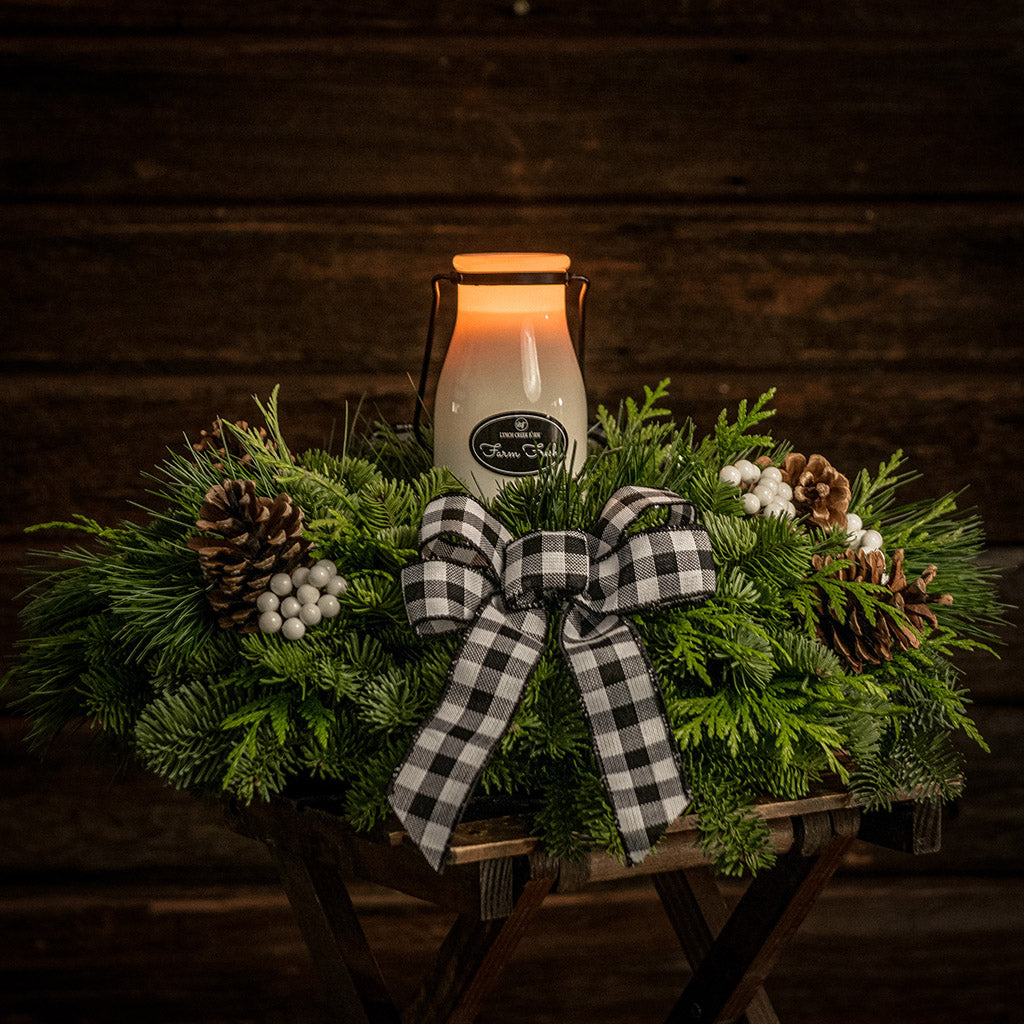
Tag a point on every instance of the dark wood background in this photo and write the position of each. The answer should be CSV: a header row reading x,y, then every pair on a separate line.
x,y
200,200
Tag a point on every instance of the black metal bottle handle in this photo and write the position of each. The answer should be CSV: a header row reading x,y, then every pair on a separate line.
x,y
510,278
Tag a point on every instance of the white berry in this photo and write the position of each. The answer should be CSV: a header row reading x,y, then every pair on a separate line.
x,y
871,541
270,622
751,503
730,475
267,601
749,473
307,594
290,607
854,539
281,584
300,575
765,493
854,522
293,629
329,606
310,614
318,576
326,563
336,585
772,473
784,491
777,508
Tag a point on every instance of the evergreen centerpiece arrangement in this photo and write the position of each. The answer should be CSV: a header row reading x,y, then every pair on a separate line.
x,y
251,637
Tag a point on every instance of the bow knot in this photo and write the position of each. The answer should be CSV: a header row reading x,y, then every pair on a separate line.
x,y
474,575
545,565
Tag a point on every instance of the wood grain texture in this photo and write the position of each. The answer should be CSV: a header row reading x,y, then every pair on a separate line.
x,y
112,429
914,951
200,200
802,286
65,814
921,18
882,328
232,118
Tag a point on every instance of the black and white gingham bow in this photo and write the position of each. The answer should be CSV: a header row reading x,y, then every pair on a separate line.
x,y
475,574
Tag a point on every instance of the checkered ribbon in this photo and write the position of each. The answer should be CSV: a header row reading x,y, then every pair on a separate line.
x,y
475,574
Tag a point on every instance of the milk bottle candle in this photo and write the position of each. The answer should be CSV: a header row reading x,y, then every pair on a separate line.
x,y
510,396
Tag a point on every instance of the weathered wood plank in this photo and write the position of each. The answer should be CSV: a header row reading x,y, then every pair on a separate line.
x,y
314,119
111,428
917,951
588,17
67,814
782,287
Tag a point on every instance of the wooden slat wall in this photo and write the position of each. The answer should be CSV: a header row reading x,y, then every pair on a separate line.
x,y
198,201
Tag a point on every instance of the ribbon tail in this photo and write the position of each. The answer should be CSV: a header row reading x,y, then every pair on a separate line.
x,y
432,786
625,712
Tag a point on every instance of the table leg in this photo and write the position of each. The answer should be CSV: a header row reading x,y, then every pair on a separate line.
x,y
355,990
770,911
698,913
471,959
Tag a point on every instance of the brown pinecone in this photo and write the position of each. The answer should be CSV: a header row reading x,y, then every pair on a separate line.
x,y
222,441
856,640
255,538
820,492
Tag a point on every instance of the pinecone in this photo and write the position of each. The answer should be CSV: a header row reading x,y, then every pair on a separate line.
x,y
256,537
820,491
856,640
221,441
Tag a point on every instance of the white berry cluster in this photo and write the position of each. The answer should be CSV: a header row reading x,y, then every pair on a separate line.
x,y
858,538
301,599
765,491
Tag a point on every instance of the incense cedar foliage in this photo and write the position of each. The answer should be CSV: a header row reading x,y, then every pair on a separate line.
x,y
760,702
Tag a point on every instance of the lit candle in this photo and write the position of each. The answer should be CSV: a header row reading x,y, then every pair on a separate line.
x,y
510,396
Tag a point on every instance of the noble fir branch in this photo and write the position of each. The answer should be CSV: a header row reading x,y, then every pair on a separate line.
x,y
574,815
925,687
391,700
772,553
552,500
180,735
114,690
366,794
732,835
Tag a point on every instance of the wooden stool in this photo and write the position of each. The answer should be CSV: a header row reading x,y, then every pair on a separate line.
x,y
497,877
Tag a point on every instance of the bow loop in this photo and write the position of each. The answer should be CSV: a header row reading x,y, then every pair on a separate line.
x,y
626,506
441,596
457,528
545,564
653,569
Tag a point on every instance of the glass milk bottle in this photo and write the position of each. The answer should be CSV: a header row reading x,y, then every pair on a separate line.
x,y
510,395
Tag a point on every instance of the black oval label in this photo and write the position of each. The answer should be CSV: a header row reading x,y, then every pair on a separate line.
x,y
518,443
